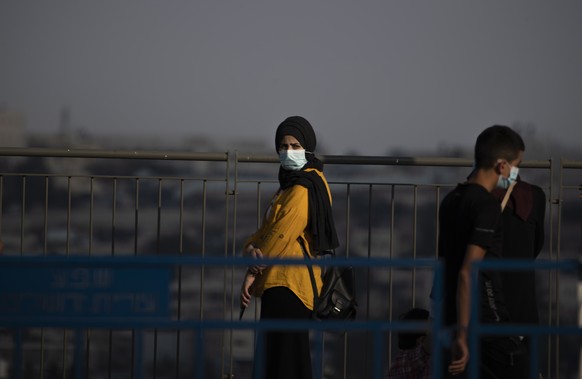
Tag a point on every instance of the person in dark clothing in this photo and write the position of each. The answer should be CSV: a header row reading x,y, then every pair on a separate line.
x,y
413,358
470,231
523,238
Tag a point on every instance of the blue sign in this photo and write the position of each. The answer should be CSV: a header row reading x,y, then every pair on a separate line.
x,y
44,293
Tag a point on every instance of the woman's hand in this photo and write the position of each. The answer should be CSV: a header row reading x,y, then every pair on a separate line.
x,y
255,253
247,289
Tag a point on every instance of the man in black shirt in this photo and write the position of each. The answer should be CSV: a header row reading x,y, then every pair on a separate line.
x,y
470,231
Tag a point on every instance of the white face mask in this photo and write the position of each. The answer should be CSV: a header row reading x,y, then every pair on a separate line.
x,y
504,182
293,160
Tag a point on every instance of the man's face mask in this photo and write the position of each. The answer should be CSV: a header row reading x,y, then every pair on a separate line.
x,y
504,182
293,160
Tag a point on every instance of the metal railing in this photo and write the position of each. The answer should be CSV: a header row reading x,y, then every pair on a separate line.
x,y
535,332
103,203
90,305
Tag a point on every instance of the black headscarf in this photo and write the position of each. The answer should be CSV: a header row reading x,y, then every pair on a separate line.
x,y
320,220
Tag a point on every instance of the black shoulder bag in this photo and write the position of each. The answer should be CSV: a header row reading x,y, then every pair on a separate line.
x,y
337,300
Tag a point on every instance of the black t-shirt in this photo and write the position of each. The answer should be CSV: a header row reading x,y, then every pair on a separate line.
x,y
470,215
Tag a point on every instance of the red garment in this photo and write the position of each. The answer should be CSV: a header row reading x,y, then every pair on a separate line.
x,y
411,364
520,198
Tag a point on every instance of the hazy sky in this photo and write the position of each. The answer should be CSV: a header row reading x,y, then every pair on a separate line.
x,y
371,76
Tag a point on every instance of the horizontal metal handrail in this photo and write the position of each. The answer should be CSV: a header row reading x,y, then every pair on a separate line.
x,y
111,154
571,164
101,176
73,260
386,160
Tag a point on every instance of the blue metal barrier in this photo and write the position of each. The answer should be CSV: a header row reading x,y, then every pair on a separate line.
x,y
133,293
478,329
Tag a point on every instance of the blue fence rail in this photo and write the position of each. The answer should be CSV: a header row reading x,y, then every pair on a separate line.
x,y
134,293
478,329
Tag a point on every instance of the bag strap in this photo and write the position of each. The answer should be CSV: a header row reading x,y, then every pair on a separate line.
x,y
506,197
311,275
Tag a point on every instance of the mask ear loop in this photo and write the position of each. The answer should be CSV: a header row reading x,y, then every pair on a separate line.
x,y
498,165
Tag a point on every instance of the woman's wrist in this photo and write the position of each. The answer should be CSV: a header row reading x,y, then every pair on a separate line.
x,y
254,271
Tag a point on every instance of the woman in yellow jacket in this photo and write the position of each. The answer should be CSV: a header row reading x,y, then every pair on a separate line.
x,y
301,209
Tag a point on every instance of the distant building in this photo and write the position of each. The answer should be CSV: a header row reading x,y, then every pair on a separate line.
x,y
12,128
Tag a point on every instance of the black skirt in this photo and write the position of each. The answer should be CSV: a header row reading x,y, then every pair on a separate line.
x,y
283,354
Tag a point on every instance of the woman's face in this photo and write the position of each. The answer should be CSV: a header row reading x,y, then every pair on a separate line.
x,y
289,143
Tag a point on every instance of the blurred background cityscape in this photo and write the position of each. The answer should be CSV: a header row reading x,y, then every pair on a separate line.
x,y
122,207
87,89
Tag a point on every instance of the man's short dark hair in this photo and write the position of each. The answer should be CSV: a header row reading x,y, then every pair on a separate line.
x,y
408,340
497,142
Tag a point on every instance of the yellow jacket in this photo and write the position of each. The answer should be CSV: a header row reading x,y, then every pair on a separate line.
x,y
277,238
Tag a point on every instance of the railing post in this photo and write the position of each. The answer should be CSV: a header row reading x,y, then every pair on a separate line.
x,y
17,357
138,353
